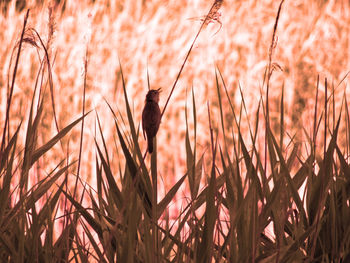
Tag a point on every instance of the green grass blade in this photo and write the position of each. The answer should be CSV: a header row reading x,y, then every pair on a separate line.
x,y
142,190
169,196
46,147
113,187
84,213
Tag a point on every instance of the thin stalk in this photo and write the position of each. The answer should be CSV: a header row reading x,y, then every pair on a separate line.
x,y
269,74
9,99
214,8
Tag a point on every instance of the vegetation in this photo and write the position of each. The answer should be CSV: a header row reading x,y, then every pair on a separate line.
x,y
256,193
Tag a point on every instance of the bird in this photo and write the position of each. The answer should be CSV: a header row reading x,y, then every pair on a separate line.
x,y
151,117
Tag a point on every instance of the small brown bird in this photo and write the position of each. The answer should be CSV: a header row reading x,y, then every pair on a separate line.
x,y
151,117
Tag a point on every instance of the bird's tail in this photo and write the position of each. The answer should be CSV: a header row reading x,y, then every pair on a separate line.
x,y
150,144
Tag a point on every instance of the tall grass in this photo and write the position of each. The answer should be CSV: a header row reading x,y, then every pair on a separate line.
x,y
280,201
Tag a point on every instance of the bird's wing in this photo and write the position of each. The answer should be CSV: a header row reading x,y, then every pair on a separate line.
x,y
143,126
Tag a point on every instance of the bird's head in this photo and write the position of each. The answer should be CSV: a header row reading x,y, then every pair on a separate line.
x,y
153,95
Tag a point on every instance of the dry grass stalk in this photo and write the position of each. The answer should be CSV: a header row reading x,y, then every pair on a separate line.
x,y
213,13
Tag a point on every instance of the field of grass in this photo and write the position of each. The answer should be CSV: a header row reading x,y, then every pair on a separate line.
x,y
252,159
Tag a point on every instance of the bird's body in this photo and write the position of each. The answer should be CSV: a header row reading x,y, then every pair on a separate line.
x,y
151,116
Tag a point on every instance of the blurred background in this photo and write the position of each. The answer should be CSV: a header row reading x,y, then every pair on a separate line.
x,y
154,36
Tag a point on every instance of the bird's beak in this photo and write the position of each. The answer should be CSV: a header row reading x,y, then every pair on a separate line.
x,y
159,90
